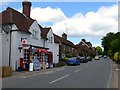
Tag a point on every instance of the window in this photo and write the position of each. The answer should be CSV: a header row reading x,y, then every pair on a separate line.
x,y
26,54
50,39
35,34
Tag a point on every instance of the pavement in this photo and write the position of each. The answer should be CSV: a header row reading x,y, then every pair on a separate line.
x,y
96,74
26,73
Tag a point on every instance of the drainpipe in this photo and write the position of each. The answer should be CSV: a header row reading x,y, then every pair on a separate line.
x,y
10,46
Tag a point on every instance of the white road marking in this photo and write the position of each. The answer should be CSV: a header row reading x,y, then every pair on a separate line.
x,y
78,70
58,79
29,76
110,78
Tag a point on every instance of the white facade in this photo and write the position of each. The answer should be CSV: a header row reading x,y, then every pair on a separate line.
x,y
32,39
16,42
54,47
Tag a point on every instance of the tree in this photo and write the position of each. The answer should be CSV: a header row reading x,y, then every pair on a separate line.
x,y
106,41
111,43
99,49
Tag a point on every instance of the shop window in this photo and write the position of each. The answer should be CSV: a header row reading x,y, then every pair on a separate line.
x,y
40,57
26,55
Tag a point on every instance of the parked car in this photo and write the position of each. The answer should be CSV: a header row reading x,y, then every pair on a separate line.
x,y
96,57
105,56
73,61
89,58
83,59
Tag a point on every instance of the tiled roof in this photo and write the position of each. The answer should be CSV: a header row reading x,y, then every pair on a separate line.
x,y
59,39
44,32
11,16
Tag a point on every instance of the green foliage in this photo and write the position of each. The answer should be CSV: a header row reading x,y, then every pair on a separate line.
x,y
116,56
99,49
69,55
66,58
111,43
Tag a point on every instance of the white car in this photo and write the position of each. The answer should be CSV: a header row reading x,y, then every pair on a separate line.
x,y
96,57
105,56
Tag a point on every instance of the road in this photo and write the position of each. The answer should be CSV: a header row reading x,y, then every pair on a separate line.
x,y
95,74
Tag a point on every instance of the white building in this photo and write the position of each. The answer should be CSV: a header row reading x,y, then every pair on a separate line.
x,y
50,43
23,39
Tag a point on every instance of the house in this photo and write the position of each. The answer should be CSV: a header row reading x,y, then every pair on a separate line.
x,y
49,42
85,48
22,39
65,46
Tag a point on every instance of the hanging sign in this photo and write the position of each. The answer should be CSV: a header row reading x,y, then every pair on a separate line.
x,y
24,42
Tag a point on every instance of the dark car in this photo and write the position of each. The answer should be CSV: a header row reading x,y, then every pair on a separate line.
x,y
73,61
83,59
89,58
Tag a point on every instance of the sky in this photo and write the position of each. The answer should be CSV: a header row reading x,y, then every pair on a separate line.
x,y
88,20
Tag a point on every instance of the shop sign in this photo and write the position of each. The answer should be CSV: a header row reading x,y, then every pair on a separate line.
x,y
26,47
24,42
31,67
36,64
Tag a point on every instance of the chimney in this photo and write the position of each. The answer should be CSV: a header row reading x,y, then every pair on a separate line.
x,y
26,7
64,36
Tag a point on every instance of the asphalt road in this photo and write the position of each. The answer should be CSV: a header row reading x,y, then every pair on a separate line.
x,y
95,74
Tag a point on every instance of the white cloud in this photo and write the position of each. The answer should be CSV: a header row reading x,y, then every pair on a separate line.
x,y
47,14
92,24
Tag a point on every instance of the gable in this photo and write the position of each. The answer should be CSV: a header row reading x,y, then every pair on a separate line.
x,y
34,29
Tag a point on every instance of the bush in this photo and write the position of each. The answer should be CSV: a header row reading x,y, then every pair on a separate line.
x,y
117,57
66,58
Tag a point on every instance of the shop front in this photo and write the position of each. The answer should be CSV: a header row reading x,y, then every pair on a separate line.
x,y
41,57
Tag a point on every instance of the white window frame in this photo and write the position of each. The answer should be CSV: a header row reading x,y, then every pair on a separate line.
x,y
35,34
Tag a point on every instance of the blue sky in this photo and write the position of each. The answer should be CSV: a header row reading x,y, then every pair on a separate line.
x,y
69,9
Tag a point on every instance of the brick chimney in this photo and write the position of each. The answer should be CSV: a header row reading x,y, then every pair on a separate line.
x,y
64,36
26,7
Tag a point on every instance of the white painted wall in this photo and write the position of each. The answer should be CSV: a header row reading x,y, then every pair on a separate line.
x,y
5,48
16,42
53,47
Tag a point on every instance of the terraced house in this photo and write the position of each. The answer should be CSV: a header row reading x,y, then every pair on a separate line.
x,y
85,48
65,46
